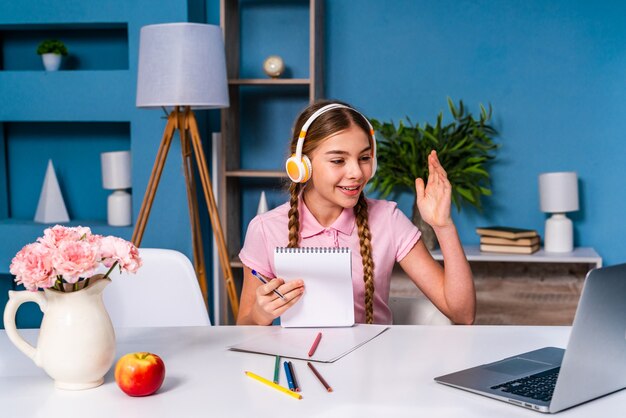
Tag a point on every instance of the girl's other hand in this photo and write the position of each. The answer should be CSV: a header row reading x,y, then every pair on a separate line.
x,y
434,199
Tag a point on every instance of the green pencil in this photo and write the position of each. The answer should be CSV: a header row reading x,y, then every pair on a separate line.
x,y
276,369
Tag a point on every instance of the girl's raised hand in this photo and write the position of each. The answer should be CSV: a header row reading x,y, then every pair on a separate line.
x,y
434,199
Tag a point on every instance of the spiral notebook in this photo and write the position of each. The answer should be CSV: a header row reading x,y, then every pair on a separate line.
x,y
328,300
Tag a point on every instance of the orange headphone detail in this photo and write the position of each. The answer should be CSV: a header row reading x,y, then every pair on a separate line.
x,y
298,166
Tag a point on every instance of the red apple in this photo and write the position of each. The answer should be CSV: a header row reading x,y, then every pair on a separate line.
x,y
139,374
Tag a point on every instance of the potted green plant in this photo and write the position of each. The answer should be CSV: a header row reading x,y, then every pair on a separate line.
x,y
464,147
51,51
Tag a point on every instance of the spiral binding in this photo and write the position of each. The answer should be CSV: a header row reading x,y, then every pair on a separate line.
x,y
312,250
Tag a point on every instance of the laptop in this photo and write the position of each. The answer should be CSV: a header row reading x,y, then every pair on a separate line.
x,y
551,379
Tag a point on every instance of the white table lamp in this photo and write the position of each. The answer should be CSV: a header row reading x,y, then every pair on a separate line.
x,y
558,193
116,176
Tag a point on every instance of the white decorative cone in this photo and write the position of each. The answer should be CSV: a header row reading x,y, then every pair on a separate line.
x,y
51,207
262,204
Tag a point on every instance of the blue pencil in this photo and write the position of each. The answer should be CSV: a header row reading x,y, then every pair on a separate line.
x,y
293,376
289,377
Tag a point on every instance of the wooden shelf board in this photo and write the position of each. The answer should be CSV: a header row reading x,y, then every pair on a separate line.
x,y
236,263
270,81
256,173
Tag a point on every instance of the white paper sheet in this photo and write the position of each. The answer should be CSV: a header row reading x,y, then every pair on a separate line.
x,y
296,342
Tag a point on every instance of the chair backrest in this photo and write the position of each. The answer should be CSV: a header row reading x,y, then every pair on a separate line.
x,y
416,311
164,292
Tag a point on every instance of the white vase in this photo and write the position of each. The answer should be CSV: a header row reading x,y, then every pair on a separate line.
x,y
119,208
51,62
76,344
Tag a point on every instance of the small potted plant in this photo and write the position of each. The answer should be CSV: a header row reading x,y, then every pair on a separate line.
x,y
51,51
464,147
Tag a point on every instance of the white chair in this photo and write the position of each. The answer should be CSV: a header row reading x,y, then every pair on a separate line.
x,y
416,311
164,292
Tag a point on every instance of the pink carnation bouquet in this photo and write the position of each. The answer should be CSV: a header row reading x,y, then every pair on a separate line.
x,y
65,258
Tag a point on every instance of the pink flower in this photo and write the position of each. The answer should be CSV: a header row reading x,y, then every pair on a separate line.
x,y
75,259
72,254
52,237
114,249
32,267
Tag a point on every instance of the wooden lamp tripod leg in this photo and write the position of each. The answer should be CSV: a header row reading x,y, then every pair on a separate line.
x,y
192,201
155,176
205,179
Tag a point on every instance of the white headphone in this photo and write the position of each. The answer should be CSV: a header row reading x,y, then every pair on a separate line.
x,y
298,166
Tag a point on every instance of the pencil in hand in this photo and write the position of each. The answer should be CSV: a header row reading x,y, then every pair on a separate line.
x,y
264,281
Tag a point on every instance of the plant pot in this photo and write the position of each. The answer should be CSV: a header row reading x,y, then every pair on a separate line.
x,y
51,62
428,234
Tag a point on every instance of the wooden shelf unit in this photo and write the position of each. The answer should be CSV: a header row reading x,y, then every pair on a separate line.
x,y
228,159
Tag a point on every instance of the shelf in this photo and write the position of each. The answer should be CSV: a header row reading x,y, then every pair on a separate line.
x,y
261,108
236,263
580,255
93,46
256,174
270,82
74,148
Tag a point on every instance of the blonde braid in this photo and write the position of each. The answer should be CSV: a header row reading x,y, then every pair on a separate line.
x,y
365,240
294,218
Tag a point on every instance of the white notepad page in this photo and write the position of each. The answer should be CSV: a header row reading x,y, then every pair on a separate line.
x,y
328,300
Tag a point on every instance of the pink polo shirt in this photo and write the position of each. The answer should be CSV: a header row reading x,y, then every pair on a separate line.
x,y
393,236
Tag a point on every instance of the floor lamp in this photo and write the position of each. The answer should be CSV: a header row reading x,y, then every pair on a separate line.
x,y
182,67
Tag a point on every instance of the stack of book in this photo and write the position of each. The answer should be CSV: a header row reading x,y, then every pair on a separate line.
x,y
503,239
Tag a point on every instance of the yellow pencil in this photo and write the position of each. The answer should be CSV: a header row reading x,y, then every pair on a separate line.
x,y
274,385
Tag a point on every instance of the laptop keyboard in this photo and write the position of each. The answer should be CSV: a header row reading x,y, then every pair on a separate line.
x,y
538,386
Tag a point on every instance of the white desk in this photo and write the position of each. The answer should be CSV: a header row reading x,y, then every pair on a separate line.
x,y
391,376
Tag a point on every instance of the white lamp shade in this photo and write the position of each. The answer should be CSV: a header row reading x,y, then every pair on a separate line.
x,y
182,64
116,170
558,192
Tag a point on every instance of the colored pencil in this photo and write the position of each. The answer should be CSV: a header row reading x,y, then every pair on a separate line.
x,y
315,344
277,369
319,376
292,369
289,377
274,385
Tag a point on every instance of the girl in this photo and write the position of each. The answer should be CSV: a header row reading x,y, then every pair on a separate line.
x,y
334,157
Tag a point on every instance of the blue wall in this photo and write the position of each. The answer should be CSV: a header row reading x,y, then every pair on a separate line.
x,y
554,72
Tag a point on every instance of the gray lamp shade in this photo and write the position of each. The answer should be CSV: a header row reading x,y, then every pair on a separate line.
x,y
558,192
182,64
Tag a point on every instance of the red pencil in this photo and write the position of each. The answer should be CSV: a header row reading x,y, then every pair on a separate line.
x,y
315,344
